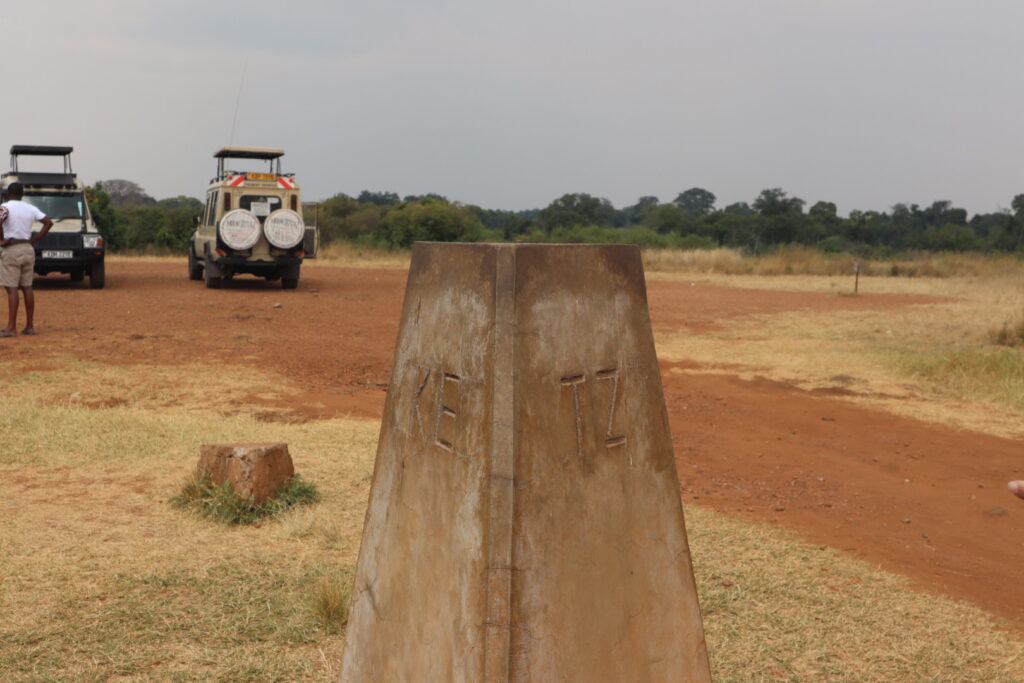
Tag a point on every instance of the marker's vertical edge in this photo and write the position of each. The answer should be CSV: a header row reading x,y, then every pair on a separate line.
x,y
696,651
501,484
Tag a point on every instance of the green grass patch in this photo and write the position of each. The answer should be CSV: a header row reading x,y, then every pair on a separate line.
x,y
221,504
991,374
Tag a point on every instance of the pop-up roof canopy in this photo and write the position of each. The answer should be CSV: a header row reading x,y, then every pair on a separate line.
x,y
272,156
40,150
248,153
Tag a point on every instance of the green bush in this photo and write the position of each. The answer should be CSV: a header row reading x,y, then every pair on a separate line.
x,y
695,242
434,220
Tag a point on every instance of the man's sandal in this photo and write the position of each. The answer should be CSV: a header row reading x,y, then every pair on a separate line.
x,y
29,332
5,333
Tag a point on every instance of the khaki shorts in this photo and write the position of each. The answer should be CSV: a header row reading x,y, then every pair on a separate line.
x,y
16,263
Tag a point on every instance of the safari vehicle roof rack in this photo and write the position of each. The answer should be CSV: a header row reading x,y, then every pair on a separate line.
x,y
273,156
41,151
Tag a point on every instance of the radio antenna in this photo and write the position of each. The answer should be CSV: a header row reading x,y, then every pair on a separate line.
x,y
238,99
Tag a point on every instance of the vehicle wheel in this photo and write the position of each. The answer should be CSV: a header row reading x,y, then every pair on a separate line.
x,y
195,268
289,282
77,275
212,281
97,275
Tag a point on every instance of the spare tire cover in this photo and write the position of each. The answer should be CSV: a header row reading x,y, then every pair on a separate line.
x,y
239,229
284,228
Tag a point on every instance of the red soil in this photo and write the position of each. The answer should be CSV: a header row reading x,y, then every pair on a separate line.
x,y
912,497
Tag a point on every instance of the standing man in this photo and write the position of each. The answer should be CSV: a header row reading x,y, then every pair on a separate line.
x,y
18,256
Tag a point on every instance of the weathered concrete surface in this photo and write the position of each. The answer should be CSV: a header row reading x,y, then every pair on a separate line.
x,y
524,520
254,470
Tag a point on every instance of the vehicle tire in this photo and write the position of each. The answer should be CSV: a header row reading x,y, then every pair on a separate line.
x,y
212,281
97,275
77,275
289,282
195,268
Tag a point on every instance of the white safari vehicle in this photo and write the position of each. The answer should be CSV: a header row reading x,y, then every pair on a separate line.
x,y
73,245
252,224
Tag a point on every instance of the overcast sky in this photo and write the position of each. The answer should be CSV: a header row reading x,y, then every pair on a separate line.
x,y
510,105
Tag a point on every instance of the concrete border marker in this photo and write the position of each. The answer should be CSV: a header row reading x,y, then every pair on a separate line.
x,y
524,521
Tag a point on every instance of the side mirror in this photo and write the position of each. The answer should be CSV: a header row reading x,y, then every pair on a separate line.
x,y
195,220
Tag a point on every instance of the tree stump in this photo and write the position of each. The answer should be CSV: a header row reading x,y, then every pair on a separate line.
x,y
255,471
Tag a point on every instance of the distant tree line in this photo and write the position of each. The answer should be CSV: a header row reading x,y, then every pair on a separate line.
x,y
134,220
691,220
131,219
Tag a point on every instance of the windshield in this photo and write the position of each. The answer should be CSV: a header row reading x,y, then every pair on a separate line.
x,y
58,204
261,206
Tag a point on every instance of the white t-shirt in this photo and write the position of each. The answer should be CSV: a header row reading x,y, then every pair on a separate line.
x,y
17,218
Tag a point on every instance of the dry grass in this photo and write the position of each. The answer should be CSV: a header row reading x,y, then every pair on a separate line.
x,y
839,285
148,255
330,603
778,609
935,361
343,254
991,375
1010,333
62,381
347,255
703,262
808,261
101,579
55,416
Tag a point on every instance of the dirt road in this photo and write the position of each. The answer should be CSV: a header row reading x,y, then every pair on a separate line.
x,y
915,498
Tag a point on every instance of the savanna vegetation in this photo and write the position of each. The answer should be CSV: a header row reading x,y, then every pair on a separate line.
x,y
133,220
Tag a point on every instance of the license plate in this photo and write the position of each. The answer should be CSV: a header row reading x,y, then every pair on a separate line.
x,y
58,254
